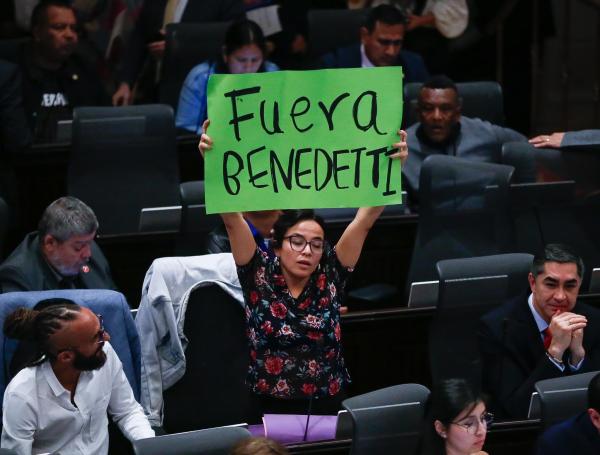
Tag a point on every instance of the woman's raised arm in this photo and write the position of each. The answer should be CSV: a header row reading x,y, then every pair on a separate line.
x,y
242,242
351,242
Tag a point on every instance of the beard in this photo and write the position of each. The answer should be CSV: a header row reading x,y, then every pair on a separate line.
x,y
89,363
64,269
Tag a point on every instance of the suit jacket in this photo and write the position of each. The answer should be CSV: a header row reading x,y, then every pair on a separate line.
x,y
576,435
514,359
14,131
349,57
150,21
27,270
586,139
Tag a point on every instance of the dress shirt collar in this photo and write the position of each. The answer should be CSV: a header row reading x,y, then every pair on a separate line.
x,y
364,60
539,321
55,385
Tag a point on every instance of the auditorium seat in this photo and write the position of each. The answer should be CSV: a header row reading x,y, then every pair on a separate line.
x,y
124,160
468,289
387,420
187,45
322,23
482,99
464,212
213,391
564,397
213,441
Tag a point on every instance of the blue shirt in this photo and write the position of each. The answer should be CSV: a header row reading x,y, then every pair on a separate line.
x,y
191,110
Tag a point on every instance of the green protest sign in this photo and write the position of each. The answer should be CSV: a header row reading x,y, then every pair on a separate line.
x,y
303,139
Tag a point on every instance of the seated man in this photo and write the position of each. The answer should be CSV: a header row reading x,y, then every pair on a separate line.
x,y
544,336
59,403
442,130
62,254
261,222
55,78
583,138
381,45
579,434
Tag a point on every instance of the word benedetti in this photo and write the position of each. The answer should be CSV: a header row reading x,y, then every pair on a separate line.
x,y
305,168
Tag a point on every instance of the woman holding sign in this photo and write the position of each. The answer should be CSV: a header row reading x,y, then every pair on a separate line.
x,y
293,303
243,52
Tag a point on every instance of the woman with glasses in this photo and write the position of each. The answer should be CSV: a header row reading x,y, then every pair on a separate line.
x,y
293,301
458,420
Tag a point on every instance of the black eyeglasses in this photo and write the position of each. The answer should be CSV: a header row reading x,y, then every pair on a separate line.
x,y
298,243
472,425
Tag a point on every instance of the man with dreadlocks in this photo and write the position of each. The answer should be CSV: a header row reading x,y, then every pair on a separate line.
x,y
59,403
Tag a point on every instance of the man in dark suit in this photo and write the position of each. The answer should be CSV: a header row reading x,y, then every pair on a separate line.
x,y
579,434
148,36
544,336
62,254
381,45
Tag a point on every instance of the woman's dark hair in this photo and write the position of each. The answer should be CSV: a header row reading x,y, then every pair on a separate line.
x,y
38,325
289,218
243,33
448,400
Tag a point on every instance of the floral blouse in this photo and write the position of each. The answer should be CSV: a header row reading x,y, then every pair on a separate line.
x,y
295,349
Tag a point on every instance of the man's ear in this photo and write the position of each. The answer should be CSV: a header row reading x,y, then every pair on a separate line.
x,y
65,356
49,242
531,280
364,34
594,417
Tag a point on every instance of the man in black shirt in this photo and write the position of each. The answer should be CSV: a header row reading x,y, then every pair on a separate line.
x,y
55,78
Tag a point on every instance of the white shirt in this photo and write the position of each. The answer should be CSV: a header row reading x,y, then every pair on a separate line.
x,y
38,416
364,60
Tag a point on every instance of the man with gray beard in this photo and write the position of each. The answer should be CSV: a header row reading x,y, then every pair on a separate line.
x,y
62,254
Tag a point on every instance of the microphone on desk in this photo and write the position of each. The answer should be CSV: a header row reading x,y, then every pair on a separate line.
x,y
316,351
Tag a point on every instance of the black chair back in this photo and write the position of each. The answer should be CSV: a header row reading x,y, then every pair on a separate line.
x,y
213,441
464,212
564,397
123,160
468,289
329,29
387,420
482,99
213,391
187,45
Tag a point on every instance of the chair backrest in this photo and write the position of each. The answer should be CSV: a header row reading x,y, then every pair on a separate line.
x,y
329,29
110,304
464,212
10,48
468,289
213,391
124,160
7,452
521,156
187,45
387,420
564,397
482,99
195,223
212,441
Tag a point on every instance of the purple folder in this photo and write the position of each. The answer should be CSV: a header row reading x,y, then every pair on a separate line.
x,y
289,428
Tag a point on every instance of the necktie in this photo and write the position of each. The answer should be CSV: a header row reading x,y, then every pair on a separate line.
x,y
547,338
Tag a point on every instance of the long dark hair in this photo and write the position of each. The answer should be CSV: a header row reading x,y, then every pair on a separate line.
x,y
242,33
449,399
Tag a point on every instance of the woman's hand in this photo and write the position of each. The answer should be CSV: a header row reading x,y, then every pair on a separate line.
x,y
401,146
205,140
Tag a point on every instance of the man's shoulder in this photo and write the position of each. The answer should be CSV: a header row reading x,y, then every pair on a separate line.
x,y
568,434
23,384
24,255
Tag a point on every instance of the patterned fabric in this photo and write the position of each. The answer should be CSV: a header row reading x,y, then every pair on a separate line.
x,y
295,348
